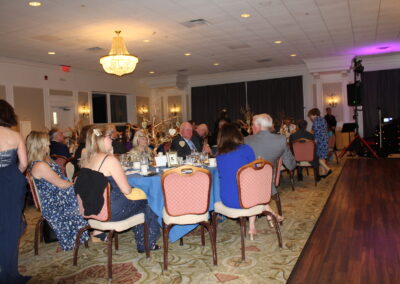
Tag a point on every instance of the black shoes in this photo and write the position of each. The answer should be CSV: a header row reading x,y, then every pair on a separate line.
x,y
327,174
153,247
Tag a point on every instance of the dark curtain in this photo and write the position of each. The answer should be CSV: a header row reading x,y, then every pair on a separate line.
x,y
281,97
380,89
208,101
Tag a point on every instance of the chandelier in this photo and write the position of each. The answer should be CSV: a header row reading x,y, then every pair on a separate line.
x,y
119,61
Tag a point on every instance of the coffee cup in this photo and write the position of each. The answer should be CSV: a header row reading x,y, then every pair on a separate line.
x,y
136,165
213,162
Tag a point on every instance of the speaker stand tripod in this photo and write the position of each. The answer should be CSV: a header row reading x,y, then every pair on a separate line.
x,y
358,138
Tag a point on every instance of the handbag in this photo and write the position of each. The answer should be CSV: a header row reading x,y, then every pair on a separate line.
x,y
49,235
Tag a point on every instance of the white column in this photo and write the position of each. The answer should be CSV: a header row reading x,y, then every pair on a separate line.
x,y
46,107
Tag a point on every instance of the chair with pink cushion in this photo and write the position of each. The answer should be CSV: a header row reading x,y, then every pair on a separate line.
x,y
304,151
255,185
101,222
186,191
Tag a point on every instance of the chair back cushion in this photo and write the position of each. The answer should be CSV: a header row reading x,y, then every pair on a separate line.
x,y
303,150
186,190
34,191
254,183
105,212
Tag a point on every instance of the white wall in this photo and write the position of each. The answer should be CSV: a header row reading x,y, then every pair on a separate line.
x,y
28,74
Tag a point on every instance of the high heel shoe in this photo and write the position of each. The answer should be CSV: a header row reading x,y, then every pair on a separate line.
x,y
252,233
271,222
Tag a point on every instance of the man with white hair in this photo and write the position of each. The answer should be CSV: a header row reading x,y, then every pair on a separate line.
x,y
183,144
201,134
57,146
267,145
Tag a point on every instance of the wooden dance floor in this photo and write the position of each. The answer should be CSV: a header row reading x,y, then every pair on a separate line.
x,y
357,237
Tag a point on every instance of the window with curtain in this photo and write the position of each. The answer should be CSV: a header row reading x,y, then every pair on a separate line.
x,y
99,105
118,108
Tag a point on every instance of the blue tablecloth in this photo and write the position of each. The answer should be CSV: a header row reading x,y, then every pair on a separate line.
x,y
152,187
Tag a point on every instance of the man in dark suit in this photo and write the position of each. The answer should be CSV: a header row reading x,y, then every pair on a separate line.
x,y
201,135
299,134
183,144
57,146
269,146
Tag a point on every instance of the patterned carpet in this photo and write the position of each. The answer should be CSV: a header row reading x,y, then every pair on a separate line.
x,y
191,263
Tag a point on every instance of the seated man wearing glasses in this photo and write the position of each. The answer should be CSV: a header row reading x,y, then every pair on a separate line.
x,y
183,144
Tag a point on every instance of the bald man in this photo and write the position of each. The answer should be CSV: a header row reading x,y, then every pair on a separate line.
x,y
201,134
183,144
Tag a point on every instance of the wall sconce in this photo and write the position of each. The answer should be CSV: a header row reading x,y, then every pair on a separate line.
x,y
175,110
333,100
143,109
84,111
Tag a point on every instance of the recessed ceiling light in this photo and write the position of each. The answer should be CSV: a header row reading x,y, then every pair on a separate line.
x,y
216,64
151,72
51,52
278,41
245,15
188,54
35,4
146,40
293,55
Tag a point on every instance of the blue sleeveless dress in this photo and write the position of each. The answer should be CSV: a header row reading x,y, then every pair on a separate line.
x,y
60,208
12,192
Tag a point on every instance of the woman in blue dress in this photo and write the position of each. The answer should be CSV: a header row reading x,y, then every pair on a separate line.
x,y
232,155
320,128
57,196
13,162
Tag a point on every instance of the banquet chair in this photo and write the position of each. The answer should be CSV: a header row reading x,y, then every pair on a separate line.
x,y
304,151
102,222
255,185
39,224
331,146
65,164
186,191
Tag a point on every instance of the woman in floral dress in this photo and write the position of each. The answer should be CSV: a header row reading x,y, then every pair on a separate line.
x,y
57,196
320,128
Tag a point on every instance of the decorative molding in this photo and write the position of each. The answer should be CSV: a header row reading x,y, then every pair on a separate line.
x,y
381,62
329,64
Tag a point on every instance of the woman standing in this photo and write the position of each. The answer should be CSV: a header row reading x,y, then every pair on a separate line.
x,y
57,197
101,167
13,162
320,128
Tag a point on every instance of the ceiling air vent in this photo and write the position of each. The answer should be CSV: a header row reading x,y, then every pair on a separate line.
x,y
95,49
195,23
239,46
265,60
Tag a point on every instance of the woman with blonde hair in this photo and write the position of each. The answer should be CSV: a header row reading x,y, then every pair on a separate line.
x,y
56,193
141,147
100,166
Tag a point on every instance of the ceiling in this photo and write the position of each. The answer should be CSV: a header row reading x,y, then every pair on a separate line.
x,y
308,28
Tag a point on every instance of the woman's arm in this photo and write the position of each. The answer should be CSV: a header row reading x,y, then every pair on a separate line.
x,y
42,170
116,171
22,157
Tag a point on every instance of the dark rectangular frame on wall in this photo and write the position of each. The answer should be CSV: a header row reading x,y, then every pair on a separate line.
x,y
104,104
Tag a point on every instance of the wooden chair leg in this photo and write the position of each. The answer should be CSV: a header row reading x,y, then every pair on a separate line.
x,y
78,242
277,199
337,159
307,171
215,223
210,228
109,252
165,229
291,174
276,225
38,234
181,241
146,239
315,176
203,241
242,233
116,241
